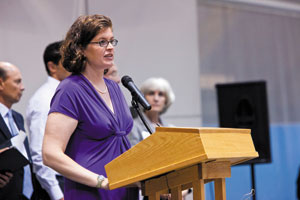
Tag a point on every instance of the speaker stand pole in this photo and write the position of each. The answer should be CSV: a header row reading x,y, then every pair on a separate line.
x,y
135,105
253,181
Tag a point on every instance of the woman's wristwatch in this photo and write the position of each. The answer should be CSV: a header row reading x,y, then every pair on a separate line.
x,y
100,179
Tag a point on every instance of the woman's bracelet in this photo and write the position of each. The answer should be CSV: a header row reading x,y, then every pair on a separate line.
x,y
100,179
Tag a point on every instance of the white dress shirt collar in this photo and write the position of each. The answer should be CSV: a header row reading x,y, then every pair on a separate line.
x,y
3,109
53,80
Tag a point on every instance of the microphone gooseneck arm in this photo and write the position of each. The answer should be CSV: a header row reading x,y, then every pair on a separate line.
x,y
137,97
137,108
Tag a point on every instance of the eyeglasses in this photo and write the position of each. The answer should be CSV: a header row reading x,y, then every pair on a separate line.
x,y
104,43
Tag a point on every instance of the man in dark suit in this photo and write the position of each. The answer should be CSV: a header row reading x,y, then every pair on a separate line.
x,y
12,132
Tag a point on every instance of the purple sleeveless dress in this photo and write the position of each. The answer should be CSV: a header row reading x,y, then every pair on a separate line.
x,y
100,135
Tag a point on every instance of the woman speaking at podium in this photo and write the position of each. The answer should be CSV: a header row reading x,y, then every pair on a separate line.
x,y
89,118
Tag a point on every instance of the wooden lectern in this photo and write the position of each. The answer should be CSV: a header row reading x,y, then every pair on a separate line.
x,y
174,159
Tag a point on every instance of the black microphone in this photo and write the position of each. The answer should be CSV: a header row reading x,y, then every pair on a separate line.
x,y
135,92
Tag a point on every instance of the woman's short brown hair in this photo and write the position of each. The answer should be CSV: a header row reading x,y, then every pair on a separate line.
x,y
83,30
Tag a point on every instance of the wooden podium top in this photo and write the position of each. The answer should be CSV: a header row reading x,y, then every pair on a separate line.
x,y
171,149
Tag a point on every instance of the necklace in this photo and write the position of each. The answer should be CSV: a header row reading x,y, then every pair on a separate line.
x,y
102,92
105,90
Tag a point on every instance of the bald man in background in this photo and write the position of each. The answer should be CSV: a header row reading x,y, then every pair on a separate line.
x,y
12,131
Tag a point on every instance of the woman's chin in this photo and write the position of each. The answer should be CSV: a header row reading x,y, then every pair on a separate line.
x,y
154,110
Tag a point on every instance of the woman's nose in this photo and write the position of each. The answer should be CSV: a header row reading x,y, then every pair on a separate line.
x,y
110,46
156,96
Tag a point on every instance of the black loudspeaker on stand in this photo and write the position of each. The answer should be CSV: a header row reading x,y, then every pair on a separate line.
x,y
244,105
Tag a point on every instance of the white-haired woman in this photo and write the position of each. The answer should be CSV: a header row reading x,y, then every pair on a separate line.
x,y
159,94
